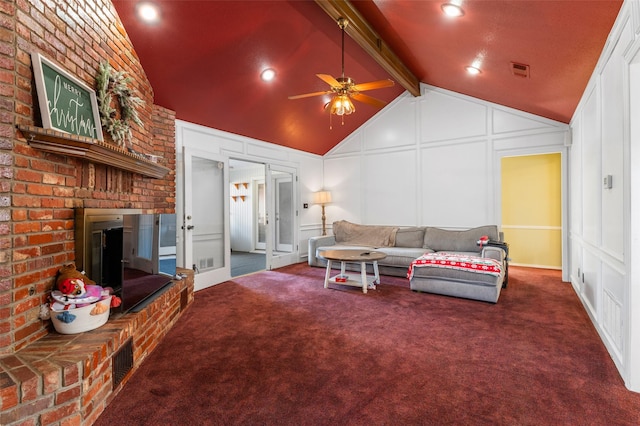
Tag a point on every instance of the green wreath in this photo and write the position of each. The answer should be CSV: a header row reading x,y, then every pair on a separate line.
x,y
112,83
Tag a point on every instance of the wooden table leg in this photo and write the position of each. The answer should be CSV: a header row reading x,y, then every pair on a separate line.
x,y
327,275
376,273
363,274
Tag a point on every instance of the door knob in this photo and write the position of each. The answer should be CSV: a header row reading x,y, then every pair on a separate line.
x,y
189,227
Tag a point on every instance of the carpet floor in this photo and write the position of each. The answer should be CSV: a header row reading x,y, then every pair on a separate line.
x,y
275,347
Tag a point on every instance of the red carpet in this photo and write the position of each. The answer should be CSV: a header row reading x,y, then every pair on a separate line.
x,y
277,348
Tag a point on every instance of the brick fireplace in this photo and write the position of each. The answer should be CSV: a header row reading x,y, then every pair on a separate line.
x,y
45,377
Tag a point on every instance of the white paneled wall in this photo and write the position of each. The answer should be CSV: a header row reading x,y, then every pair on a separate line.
x,y
456,186
613,105
432,160
591,168
601,220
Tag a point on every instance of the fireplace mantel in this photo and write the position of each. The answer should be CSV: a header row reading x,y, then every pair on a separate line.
x,y
62,143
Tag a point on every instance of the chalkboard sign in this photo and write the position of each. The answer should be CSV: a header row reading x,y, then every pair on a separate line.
x,y
66,103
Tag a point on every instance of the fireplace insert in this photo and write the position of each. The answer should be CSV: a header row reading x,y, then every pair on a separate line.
x,y
131,252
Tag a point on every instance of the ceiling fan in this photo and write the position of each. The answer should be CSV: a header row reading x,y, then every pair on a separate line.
x,y
345,89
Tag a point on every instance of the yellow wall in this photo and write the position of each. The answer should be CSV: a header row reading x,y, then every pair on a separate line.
x,y
531,209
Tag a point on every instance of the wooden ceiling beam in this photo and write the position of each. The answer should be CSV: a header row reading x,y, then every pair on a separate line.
x,y
363,34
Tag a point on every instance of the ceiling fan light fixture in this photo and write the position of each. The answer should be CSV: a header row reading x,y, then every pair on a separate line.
x,y
452,9
341,105
344,88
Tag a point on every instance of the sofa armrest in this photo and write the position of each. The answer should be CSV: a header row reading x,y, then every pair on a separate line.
x,y
314,243
493,252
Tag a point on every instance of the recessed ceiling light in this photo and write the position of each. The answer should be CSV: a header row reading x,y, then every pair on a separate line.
x,y
473,70
268,74
148,12
452,9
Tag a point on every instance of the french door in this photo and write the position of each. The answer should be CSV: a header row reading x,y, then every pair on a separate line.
x,y
283,202
282,249
206,210
260,215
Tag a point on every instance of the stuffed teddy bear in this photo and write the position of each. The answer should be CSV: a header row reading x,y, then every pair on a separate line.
x,y
75,287
69,271
75,290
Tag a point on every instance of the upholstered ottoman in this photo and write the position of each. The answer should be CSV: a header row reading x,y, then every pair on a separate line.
x,y
457,275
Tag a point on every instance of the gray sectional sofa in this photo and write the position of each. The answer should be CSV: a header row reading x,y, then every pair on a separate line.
x,y
403,245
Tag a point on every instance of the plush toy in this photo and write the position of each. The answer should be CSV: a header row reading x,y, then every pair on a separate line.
x,y
76,290
72,287
69,271
115,300
75,294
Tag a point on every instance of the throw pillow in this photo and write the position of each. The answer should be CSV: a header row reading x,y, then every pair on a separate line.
x,y
412,237
445,240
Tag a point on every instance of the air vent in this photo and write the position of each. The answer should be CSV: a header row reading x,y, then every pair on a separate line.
x,y
184,299
122,363
520,70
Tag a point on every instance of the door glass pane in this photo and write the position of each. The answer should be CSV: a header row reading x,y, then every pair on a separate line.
x,y
167,234
262,215
208,214
285,212
145,236
167,242
283,204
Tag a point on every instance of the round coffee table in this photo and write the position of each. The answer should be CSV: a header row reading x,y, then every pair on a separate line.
x,y
353,256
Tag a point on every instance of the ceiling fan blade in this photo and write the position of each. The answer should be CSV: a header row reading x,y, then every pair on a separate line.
x,y
368,100
330,80
373,85
308,95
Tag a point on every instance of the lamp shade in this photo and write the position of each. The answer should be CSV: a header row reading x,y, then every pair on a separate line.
x,y
322,197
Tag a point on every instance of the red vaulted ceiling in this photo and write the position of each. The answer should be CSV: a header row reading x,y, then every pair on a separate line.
x,y
204,58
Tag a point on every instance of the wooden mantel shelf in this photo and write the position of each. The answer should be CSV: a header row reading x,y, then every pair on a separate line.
x,y
96,151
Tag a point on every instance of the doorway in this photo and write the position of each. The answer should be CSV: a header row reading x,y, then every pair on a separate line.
x,y
247,217
532,209
260,192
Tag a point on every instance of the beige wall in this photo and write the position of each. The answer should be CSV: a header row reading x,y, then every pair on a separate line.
x,y
532,209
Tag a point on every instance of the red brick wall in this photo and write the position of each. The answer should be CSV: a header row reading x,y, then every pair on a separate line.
x,y
40,190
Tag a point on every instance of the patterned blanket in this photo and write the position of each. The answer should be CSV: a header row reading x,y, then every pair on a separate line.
x,y
480,265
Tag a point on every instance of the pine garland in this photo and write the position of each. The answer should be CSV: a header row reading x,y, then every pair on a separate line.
x,y
112,83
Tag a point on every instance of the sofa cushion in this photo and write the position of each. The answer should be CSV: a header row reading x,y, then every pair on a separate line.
x,y
368,235
465,241
410,237
400,256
